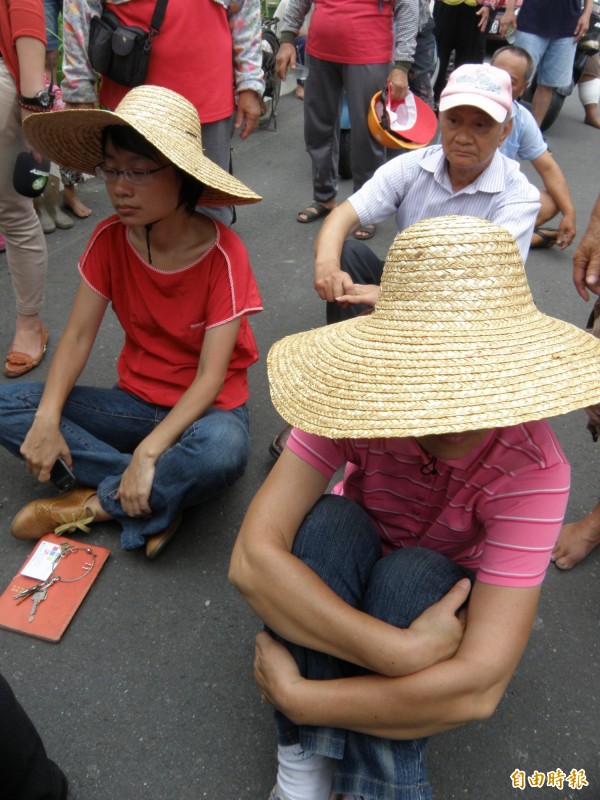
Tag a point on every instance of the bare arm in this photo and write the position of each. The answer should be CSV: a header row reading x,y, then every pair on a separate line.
x,y
44,442
558,189
293,600
136,482
586,258
466,687
330,281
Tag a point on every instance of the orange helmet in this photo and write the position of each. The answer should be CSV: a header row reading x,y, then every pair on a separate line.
x,y
413,128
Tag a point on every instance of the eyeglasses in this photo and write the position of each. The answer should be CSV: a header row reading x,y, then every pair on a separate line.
x,y
136,176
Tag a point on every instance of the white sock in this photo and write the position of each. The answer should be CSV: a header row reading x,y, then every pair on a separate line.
x,y
589,91
302,775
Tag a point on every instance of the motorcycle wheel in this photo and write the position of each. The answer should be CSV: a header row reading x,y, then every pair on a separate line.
x,y
345,161
554,109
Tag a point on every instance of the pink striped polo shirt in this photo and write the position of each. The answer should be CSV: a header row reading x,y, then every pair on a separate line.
x,y
497,510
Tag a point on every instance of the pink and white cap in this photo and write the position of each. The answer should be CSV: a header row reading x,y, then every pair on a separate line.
x,y
482,86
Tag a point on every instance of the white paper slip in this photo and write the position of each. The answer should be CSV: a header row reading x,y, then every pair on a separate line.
x,y
41,562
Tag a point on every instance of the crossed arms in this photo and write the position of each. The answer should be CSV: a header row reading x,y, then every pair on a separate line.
x,y
424,681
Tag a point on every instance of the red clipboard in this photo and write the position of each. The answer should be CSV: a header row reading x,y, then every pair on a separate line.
x,y
53,614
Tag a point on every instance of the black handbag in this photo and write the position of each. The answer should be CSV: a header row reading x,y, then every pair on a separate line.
x,y
122,52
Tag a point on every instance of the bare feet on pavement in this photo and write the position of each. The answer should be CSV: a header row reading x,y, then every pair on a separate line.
x,y
576,541
72,201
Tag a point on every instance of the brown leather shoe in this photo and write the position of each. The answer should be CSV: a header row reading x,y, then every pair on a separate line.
x,y
63,514
17,364
156,544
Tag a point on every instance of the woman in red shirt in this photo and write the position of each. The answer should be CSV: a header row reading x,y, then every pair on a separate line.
x,y
174,431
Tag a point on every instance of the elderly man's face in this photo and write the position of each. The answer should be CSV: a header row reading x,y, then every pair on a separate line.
x,y
470,137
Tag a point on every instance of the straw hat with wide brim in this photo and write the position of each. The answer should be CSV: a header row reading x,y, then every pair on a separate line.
x,y
455,343
164,118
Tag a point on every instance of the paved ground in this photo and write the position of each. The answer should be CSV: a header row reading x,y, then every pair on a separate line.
x,y
150,693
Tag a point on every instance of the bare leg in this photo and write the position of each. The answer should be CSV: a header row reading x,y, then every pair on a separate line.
x,y
28,334
541,102
72,200
589,95
577,540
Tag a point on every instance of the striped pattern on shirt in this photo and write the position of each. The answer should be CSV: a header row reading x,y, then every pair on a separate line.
x,y
498,510
416,186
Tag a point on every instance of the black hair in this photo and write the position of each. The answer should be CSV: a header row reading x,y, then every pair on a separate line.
x,y
515,50
127,138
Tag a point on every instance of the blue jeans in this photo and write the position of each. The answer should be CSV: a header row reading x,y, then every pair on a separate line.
x,y
339,541
553,58
102,428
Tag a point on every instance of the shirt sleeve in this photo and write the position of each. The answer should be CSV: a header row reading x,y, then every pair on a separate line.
x,y
406,26
79,79
94,264
325,455
517,207
522,522
531,141
246,33
233,289
381,196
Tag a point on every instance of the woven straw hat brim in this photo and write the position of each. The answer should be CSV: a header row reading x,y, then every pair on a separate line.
x,y
73,139
454,344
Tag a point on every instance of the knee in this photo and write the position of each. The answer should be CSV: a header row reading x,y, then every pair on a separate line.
x,y
406,582
221,439
339,541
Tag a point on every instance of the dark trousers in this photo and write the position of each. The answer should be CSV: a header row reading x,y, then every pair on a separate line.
x,y
456,29
26,772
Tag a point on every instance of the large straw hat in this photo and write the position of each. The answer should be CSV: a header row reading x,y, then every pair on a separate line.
x,y
455,343
166,119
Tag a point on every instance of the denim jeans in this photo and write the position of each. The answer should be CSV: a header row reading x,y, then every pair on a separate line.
x,y
102,428
339,541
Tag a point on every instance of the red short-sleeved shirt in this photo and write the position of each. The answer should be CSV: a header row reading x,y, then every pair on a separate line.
x,y
352,32
192,51
165,314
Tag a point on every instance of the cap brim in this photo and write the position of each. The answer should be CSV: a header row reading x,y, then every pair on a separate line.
x,y
495,110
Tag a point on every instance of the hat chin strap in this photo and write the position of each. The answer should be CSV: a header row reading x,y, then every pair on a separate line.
x,y
148,229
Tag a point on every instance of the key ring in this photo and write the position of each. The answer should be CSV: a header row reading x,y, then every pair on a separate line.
x,y
66,550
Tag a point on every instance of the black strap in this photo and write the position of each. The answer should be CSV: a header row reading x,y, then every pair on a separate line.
x,y
158,16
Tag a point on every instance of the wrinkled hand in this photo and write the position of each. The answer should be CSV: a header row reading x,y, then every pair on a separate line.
x,y
586,263
583,23
507,21
439,627
484,15
136,485
275,670
42,446
248,113
398,83
285,59
566,231
333,284
359,294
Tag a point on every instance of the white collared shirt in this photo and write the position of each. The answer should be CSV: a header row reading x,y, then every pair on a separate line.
x,y
416,186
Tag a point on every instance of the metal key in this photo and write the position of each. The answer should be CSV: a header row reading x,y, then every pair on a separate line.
x,y
37,598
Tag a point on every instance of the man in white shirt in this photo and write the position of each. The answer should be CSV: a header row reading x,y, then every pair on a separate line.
x,y
465,175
